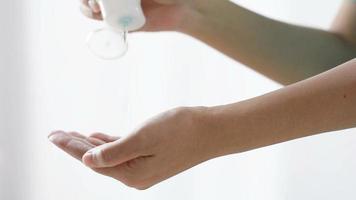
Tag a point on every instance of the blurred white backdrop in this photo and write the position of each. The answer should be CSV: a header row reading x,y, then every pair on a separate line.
x,y
50,81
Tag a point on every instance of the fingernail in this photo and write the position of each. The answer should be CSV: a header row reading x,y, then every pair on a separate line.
x,y
92,158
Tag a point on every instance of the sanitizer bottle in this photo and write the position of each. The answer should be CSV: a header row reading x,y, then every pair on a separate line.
x,y
120,17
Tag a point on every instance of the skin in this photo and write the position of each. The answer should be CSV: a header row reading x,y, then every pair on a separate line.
x,y
283,52
181,138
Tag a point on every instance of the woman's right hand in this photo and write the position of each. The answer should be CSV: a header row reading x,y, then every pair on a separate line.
x,y
161,15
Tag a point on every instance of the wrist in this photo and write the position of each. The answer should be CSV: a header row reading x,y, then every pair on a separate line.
x,y
209,20
189,18
223,128
195,15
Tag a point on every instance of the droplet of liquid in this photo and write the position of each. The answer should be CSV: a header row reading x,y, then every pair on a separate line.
x,y
107,43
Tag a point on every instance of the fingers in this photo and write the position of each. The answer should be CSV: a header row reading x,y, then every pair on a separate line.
x,y
71,144
91,9
84,2
104,137
95,141
107,155
74,134
89,13
76,144
112,154
94,6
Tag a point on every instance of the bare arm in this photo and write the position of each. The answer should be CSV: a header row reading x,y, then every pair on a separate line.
x,y
281,51
345,23
284,52
179,139
326,102
182,138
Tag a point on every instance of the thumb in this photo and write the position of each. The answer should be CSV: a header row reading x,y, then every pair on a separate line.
x,y
111,154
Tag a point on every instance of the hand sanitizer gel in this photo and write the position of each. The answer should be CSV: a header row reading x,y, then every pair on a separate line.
x,y
120,17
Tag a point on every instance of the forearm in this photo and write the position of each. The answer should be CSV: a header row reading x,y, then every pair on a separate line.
x,y
320,104
283,52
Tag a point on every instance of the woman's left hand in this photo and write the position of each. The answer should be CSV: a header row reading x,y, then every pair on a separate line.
x,y
163,147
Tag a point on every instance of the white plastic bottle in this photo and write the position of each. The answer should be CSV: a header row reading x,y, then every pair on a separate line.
x,y
120,17
122,14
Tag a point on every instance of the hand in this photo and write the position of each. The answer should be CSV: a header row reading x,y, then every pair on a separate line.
x,y
163,147
160,14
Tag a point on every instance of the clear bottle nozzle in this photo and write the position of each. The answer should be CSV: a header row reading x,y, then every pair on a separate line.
x,y
107,43
120,16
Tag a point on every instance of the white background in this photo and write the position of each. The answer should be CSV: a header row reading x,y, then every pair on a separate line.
x,y
49,81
